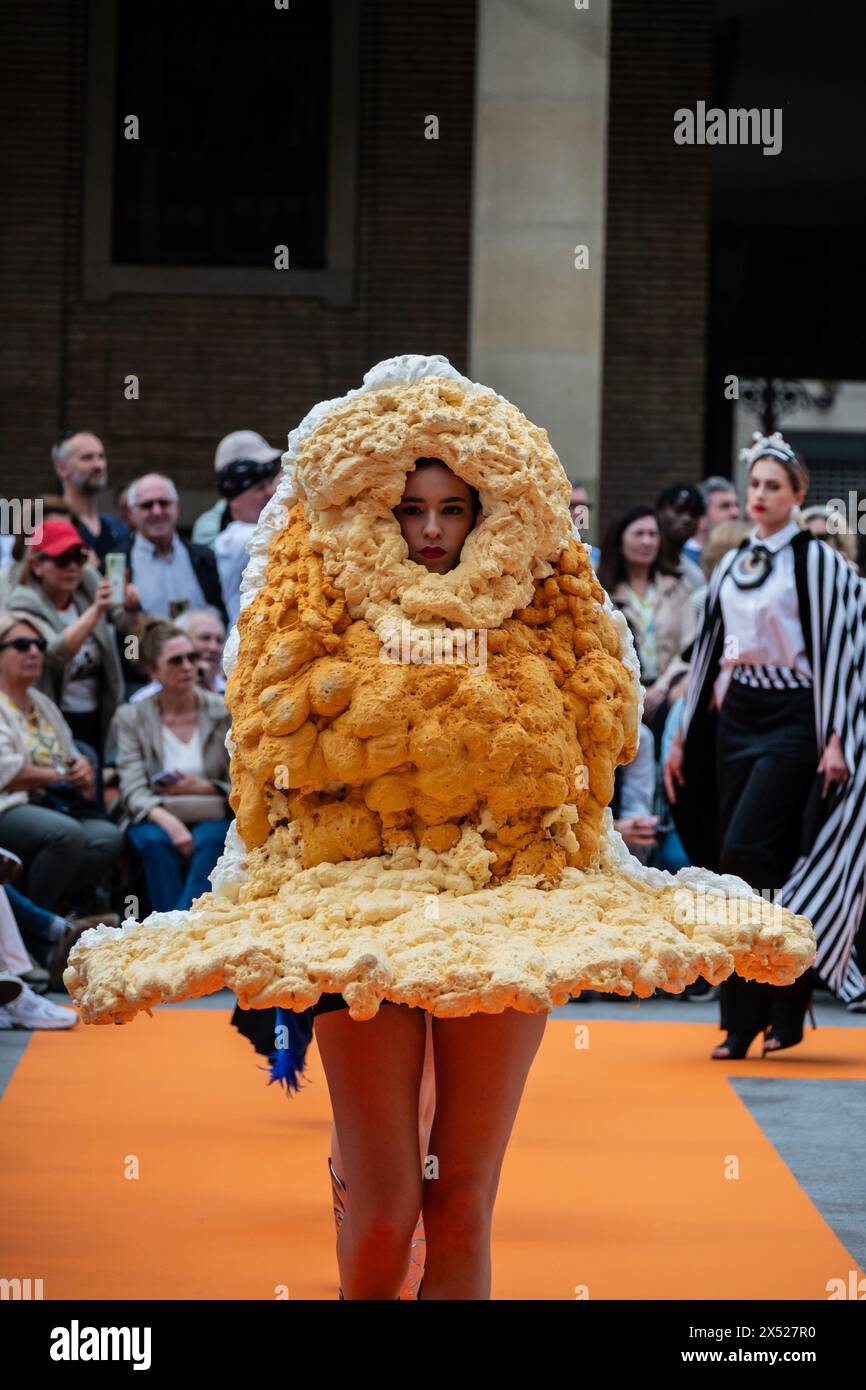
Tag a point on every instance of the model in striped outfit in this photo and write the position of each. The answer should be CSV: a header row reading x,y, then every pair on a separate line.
x,y
776,695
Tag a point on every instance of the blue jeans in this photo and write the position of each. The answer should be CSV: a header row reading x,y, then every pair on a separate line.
x,y
172,881
34,924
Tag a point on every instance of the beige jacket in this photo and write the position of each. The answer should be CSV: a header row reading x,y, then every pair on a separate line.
x,y
32,600
675,625
140,753
13,749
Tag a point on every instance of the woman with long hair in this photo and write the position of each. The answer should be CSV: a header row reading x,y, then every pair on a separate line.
x,y
654,598
48,815
767,772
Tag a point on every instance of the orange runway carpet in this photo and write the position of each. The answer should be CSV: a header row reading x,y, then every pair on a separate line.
x,y
615,1178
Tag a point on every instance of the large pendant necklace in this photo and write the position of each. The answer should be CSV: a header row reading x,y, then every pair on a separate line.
x,y
751,567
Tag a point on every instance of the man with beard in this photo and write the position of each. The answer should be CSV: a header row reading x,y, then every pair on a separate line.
x,y
79,461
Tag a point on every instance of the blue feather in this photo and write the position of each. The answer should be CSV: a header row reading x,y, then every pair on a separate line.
x,y
288,1063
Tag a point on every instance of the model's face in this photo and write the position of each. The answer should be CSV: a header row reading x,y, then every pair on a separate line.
x,y
722,506
177,665
20,668
155,511
248,505
640,541
84,466
770,496
435,516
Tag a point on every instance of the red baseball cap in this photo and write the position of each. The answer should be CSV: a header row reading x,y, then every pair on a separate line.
x,y
58,536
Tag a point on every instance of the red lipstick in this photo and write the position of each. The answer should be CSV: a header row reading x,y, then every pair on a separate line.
x,y
432,552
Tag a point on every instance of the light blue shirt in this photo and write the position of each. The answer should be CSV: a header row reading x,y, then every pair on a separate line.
x,y
164,579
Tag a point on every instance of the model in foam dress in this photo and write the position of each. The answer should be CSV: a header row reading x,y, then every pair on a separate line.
x,y
423,828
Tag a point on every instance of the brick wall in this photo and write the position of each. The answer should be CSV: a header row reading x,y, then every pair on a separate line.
x,y
656,253
209,364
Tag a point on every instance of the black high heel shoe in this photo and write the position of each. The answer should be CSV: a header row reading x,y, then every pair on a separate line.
x,y
789,1035
738,1045
788,1014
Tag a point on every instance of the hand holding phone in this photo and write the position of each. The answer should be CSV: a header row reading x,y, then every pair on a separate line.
x,y
165,779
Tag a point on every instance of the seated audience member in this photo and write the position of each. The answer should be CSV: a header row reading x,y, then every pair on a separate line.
x,y
49,937
206,630
20,1007
50,507
48,815
173,770
81,672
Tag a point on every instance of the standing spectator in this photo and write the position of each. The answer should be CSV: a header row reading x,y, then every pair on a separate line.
x,y
121,507
174,776
654,599
240,444
679,509
47,813
247,485
169,573
79,461
81,672
722,504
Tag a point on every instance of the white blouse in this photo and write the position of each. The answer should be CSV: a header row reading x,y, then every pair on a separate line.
x,y
182,756
764,621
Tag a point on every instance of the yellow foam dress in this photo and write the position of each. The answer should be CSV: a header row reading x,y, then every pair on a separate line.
x,y
422,764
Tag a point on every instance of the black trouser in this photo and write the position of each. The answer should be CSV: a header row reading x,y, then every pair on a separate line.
x,y
767,756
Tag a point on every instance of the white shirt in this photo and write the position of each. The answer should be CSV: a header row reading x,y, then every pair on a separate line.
x,y
163,579
230,549
182,756
766,620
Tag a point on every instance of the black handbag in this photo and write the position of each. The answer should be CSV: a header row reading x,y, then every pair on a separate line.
x,y
68,800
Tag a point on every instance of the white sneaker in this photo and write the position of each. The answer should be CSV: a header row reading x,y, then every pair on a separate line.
x,y
30,1011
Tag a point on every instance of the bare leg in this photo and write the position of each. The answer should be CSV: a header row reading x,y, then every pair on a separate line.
x,y
374,1072
426,1107
482,1063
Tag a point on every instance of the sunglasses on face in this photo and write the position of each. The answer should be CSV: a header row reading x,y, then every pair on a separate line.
x,y
23,644
70,557
181,657
148,506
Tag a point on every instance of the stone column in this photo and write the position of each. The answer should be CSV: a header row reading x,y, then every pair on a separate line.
x,y
538,193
